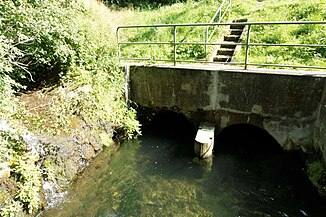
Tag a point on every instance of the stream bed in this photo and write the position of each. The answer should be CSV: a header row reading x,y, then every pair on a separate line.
x,y
157,175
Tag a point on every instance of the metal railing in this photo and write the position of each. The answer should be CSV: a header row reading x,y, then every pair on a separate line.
x,y
217,18
247,43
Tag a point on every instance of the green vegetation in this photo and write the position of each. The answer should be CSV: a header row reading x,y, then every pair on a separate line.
x,y
60,43
271,10
187,12
253,10
23,170
140,4
58,68
317,175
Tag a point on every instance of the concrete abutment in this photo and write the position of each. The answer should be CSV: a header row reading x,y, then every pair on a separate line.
x,y
289,105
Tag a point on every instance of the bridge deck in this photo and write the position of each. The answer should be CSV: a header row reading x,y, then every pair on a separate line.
x,y
222,67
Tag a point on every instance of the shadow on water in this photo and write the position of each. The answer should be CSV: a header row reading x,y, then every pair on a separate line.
x,y
156,175
266,180
170,146
171,126
248,166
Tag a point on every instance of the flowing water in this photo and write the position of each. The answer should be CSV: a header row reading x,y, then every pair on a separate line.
x,y
158,175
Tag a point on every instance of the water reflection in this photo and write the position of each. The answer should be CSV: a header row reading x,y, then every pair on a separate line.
x,y
158,175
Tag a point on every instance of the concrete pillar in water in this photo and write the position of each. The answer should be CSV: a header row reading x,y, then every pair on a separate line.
x,y
204,141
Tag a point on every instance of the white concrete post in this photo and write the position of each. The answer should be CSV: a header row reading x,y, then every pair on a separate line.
x,y
204,141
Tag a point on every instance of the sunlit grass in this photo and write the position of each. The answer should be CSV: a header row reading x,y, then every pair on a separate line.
x,y
253,10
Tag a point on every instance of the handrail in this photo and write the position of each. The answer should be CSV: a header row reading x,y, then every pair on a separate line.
x,y
247,42
223,24
220,17
218,12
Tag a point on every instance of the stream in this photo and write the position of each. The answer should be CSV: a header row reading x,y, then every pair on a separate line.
x,y
158,175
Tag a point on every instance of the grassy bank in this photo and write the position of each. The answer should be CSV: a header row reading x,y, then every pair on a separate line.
x,y
272,10
182,12
59,79
253,10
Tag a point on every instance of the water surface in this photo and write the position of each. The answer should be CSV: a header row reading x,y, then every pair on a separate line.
x,y
158,175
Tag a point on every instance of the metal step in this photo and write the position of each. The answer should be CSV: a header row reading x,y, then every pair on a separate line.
x,y
234,38
240,26
222,58
229,45
240,20
225,51
236,32
237,26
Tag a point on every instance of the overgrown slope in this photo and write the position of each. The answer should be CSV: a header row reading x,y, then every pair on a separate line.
x,y
61,85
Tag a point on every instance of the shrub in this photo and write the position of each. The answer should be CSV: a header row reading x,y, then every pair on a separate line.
x,y
60,47
24,170
61,43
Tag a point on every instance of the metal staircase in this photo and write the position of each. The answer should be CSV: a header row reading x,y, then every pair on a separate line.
x,y
226,51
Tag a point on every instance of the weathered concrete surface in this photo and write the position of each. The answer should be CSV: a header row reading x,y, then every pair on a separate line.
x,y
283,103
320,130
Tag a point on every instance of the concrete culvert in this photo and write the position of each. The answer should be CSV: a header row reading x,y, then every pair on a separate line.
x,y
247,140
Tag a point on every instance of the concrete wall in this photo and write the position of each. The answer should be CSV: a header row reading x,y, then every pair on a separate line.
x,y
320,130
283,103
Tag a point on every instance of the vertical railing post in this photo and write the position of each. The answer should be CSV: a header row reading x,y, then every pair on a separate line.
x,y
230,3
220,16
174,44
206,41
119,46
127,97
247,46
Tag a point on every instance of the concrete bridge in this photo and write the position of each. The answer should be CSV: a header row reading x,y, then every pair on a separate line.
x,y
289,105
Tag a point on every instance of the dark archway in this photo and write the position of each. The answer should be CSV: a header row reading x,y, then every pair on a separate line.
x,y
247,140
169,125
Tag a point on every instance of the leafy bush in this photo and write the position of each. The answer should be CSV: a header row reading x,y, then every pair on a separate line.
x,y
24,170
68,50
51,42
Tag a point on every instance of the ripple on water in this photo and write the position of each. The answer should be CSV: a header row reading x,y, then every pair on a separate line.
x,y
152,176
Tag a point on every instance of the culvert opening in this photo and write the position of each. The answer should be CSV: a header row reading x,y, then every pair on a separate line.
x,y
172,125
248,140
169,125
